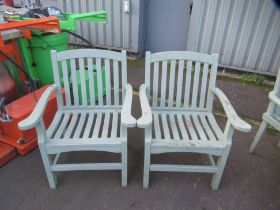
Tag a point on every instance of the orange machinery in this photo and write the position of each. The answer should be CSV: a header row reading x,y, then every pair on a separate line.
x,y
13,140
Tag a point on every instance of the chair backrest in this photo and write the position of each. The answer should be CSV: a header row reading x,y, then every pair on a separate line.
x,y
88,74
277,83
181,79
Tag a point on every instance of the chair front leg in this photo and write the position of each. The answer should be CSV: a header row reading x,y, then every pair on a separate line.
x,y
124,155
228,133
41,134
221,166
258,136
147,157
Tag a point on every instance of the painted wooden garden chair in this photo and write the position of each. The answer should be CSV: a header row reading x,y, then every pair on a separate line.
x,y
177,113
272,114
82,123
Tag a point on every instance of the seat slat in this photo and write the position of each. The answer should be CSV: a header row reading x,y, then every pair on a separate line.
x,y
207,127
72,125
156,126
199,128
55,123
89,125
214,125
182,127
114,125
190,127
63,125
165,126
80,126
97,125
174,127
105,128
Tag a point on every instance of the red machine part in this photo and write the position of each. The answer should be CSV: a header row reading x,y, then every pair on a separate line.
x,y
47,24
18,111
9,3
7,152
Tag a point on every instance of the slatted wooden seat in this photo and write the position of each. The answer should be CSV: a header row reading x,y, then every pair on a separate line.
x,y
271,116
82,123
175,129
176,102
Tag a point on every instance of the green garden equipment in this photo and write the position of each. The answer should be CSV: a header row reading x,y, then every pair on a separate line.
x,y
36,51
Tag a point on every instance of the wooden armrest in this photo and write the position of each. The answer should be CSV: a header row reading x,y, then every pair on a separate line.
x,y
33,119
274,98
126,118
234,119
146,119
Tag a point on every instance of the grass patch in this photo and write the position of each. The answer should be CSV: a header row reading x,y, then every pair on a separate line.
x,y
257,79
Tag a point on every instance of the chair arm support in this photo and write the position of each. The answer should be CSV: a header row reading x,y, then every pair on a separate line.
x,y
234,119
33,119
274,98
127,119
146,119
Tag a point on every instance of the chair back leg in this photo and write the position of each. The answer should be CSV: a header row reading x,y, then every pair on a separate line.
x,y
258,136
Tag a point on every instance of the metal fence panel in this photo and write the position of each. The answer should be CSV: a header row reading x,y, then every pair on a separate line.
x,y
122,30
246,34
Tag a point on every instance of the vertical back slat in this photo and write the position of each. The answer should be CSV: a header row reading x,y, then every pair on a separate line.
x,y
108,82
195,84
83,81
171,83
74,81
203,86
91,81
155,84
123,73
116,82
56,78
99,81
148,72
212,82
188,84
163,83
66,83
179,83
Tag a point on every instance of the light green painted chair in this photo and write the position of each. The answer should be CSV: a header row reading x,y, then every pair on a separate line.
x,y
177,113
272,114
78,125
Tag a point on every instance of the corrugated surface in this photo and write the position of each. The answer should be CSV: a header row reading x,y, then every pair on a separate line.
x,y
122,29
246,34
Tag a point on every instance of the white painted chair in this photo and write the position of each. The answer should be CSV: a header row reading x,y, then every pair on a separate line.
x,y
272,114
179,117
82,123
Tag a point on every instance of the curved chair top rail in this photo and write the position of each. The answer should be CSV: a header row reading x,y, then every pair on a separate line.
x,y
86,53
183,55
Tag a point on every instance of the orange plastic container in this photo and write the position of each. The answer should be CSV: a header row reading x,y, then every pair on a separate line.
x,y
6,153
18,111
